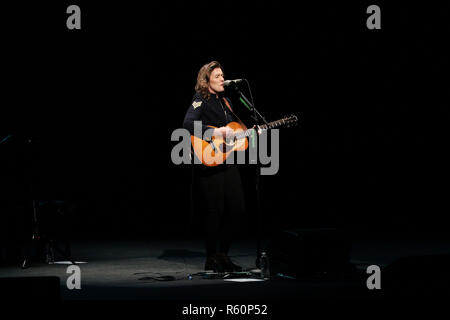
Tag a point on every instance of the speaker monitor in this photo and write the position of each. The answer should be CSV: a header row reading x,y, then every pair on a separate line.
x,y
302,252
427,275
30,288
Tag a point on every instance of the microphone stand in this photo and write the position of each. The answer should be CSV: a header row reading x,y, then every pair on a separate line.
x,y
256,114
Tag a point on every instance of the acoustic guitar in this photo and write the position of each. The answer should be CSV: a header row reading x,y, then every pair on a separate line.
x,y
215,152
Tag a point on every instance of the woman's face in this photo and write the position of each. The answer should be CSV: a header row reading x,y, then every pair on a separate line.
x,y
216,80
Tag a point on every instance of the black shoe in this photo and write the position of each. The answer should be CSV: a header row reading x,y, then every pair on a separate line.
x,y
212,263
228,265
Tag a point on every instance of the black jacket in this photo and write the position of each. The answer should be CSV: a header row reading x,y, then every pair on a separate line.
x,y
211,112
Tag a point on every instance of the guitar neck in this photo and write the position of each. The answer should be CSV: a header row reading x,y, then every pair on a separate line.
x,y
270,125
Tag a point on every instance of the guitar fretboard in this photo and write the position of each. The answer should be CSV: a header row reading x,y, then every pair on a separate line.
x,y
270,125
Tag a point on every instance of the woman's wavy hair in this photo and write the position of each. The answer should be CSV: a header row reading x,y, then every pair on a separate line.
x,y
203,78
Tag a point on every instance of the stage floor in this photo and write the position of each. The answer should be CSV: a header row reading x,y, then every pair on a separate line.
x,y
134,270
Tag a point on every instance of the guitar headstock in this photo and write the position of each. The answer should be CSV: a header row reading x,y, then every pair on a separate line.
x,y
291,120
288,121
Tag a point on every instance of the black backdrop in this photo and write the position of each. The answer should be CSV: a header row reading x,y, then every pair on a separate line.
x,y
100,105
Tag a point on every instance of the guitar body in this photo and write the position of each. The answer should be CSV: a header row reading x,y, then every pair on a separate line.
x,y
216,152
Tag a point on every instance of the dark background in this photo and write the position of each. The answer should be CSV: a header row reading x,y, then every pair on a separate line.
x,y
100,104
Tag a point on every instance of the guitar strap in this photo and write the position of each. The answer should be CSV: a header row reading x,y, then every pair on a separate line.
x,y
239,120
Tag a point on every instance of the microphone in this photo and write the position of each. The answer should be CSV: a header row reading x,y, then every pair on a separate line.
x,y
226,83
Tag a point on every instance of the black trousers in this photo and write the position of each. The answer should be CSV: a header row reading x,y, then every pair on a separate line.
x,y
222,206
